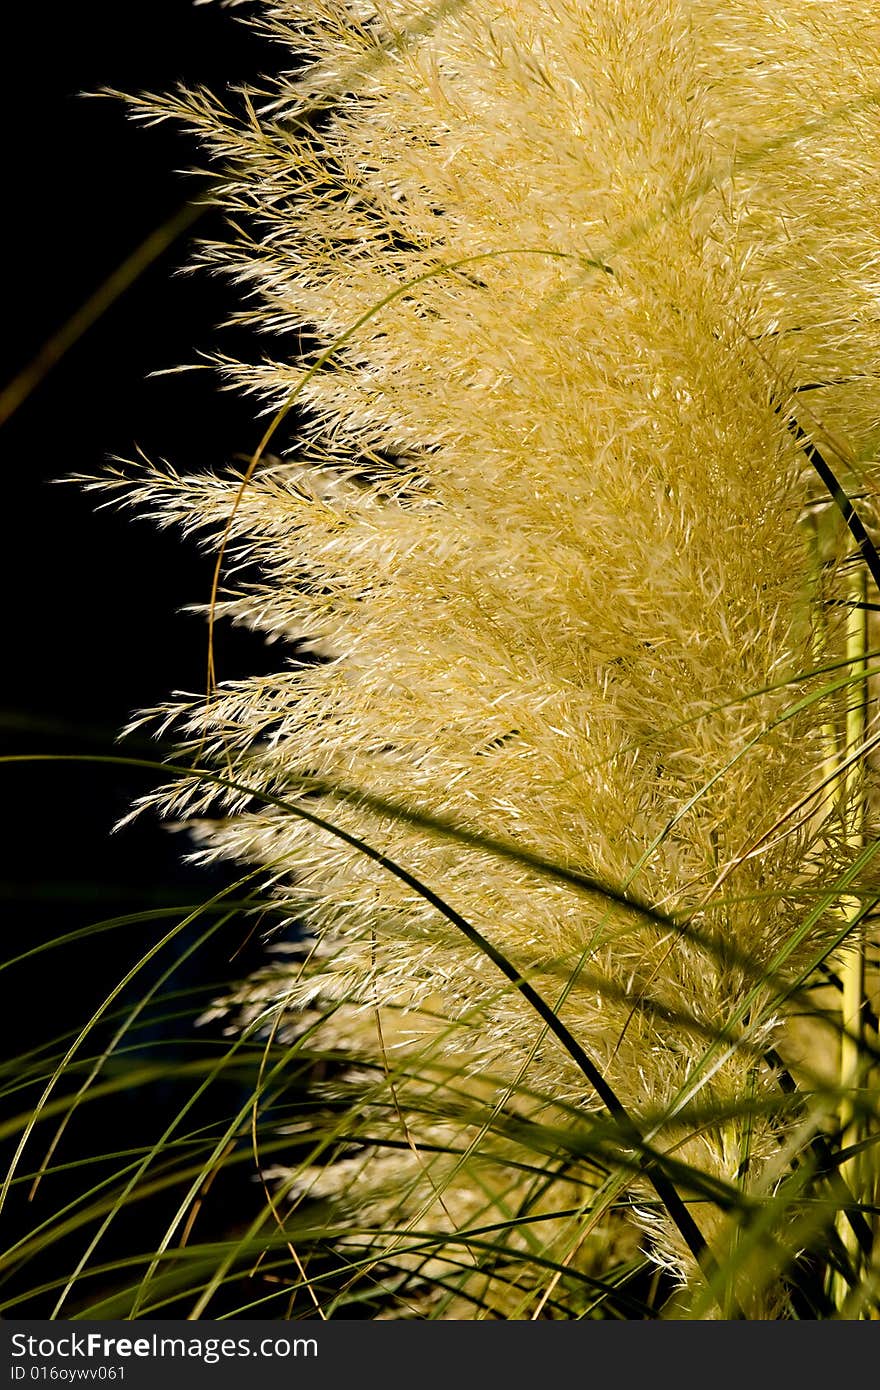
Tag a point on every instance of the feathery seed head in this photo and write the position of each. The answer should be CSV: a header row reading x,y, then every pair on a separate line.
x,y
563,274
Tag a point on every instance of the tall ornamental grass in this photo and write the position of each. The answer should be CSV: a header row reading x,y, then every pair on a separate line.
x,y
564,782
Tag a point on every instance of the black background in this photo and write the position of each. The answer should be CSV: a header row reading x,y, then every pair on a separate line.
x,y
91,599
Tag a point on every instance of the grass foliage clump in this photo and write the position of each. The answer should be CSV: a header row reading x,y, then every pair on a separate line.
x,y
564,787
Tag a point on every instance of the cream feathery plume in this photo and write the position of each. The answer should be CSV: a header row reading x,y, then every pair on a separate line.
x,y
580,291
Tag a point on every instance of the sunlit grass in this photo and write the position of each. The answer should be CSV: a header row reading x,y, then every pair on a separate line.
x,y
561,814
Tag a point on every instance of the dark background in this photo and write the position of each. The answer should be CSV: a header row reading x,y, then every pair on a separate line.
x,y
92,599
